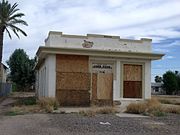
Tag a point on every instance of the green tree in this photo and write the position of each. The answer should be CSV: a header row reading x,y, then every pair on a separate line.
x,y
170,84
178,80
21,69
158,79
9,19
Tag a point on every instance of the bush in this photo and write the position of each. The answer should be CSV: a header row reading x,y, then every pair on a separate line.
x,y
136,108
148,107
49,104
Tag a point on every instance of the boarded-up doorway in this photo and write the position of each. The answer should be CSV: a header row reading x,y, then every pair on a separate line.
x,y
102,88
132,81
102,84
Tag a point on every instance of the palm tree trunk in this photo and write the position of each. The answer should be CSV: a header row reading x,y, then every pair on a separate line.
x,y
1,48
1,43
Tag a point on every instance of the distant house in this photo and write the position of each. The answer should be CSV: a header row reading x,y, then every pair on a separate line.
x,y
94,69
156,88
5,87
3,73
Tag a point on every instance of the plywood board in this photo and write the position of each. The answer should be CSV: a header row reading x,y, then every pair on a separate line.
x,y
75,81
104,86
72,63
132,89
132,72
73,97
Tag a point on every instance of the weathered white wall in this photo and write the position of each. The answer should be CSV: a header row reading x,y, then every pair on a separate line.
x,y
41,86
46,78
3,74
117,82
56,39
51,75
147,80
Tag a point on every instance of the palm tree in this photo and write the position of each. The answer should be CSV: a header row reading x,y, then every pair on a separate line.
x,y
9,19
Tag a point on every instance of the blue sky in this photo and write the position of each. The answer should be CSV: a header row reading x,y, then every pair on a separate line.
x,y
156,19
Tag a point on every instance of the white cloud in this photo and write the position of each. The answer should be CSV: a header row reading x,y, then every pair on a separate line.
x,y
161,50
133,18
169,57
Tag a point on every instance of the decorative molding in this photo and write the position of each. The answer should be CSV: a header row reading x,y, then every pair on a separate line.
x,y
87,44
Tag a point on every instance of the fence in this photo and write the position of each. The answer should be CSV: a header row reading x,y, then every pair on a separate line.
x,y
5,89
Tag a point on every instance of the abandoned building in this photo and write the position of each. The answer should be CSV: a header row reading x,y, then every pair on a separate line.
x,y
94,69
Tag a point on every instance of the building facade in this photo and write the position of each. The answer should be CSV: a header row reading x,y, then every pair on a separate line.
x,y
94,69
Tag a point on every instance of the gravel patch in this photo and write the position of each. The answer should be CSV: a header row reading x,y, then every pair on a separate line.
x,y
75,124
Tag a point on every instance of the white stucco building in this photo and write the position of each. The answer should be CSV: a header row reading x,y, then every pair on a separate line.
x,y
94,69
3,73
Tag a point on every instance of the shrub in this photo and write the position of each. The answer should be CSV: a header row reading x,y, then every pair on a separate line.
x,y
136,108
149,107
49,104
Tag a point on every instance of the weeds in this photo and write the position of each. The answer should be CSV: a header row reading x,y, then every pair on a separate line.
x,y
151,107
49,104
26,101
101,110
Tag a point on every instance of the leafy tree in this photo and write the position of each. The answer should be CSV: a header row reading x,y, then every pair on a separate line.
x,y
178,80
170,83
9,19
21,69
158,79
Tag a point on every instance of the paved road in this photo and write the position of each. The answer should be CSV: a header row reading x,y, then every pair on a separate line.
x,y
74,124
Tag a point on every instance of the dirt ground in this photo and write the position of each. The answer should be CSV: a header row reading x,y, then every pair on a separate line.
x,y
75,124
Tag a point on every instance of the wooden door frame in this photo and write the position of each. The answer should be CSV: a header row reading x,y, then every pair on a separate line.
x,y
102,61
122,76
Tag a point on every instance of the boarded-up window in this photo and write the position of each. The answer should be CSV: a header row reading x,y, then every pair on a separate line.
x,y
132,81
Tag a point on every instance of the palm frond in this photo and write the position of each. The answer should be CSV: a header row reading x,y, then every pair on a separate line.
x,y
14,30
18,21
17,29
18,15
13,9
8,33
9,18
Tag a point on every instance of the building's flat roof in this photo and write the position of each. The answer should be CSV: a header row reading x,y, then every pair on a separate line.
x,y
95,36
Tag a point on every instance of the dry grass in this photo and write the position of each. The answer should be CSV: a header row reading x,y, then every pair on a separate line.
x,y
152,107
165,99
27,105
89,113
171,109
49,104
136,108
98,110
23,109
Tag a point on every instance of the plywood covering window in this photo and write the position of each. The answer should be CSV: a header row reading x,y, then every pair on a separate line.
x,y
72,80
132,81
